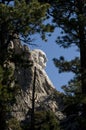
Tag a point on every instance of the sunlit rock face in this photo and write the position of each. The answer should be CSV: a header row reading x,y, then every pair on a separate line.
x,y
46,97
39,58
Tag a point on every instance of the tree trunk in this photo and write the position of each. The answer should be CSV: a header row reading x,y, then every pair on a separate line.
x,y
33,102
82,43
3,42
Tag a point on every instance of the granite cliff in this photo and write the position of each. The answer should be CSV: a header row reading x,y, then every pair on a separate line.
x,y
22,62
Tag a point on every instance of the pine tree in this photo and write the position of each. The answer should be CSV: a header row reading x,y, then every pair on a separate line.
x,y
7,96
70,16
44,120
72,20
23,18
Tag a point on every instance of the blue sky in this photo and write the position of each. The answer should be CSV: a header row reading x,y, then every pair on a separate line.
x,y
52,50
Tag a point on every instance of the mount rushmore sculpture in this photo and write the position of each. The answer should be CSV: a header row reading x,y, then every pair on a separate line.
x,y
23,72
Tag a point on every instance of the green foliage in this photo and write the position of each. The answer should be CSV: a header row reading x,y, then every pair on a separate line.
x,y
74,85
25,19
1,74
7,96
70,16
67,66
45,120
14,124
7,93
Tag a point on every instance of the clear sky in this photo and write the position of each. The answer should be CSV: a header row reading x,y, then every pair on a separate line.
x,y
52,50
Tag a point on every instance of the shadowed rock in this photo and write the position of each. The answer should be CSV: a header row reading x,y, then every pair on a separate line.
x,y
46,96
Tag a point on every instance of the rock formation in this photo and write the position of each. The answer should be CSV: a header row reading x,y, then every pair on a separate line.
x,y
23,63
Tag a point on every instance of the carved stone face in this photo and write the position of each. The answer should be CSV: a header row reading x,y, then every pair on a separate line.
x,y
39,57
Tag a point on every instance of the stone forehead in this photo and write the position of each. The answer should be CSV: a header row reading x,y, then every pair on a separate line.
x,y
40,52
